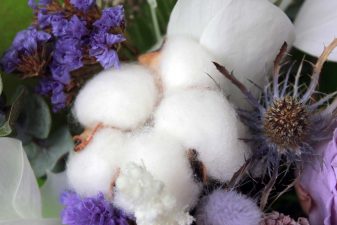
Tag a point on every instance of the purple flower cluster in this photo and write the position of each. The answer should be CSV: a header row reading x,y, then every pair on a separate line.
x,y
24,47
79,34
93,210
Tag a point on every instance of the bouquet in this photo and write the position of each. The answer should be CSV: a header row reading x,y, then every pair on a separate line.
x,y
168,112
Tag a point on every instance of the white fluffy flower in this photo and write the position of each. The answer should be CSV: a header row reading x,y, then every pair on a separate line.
x,y
137,191
119,98
92,170
205,121
243,35
316,26
184,63
166,159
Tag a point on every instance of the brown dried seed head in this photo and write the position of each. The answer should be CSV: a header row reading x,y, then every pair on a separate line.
x,y
286,122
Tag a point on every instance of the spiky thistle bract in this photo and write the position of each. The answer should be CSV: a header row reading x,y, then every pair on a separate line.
x,y
286,121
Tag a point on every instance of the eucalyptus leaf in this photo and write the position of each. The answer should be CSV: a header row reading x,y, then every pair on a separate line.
x,y
19,192
5,129
16,103
37,118
44,155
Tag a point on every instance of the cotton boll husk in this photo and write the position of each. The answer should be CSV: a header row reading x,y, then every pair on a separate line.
x,y
185,63
166,159
227,208
91,170
121,98
190,17
205,121
245,37
315,27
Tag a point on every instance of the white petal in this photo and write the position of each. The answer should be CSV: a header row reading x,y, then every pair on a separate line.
x,y
246,36
56,183
122,98
315,26
190,17
205,121
91,170
32,222
19,192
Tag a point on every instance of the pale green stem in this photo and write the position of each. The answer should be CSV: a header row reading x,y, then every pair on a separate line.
x,y
153,6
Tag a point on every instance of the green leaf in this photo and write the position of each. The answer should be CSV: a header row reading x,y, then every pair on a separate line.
x,y
37,117
44,155
5,129
1,85
15,102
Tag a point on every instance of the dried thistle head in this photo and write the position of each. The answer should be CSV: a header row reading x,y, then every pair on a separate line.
x,y
287,121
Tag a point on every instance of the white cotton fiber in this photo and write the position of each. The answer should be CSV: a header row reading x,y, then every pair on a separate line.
x,y
184,63
92,169
166,159
205,121
140,193
122,98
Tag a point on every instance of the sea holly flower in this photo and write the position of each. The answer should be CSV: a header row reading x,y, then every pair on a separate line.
x,y
315,26
20,196
286,123
318,183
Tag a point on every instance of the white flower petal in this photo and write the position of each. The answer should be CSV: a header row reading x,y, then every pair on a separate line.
x,y
190,17
50,192
32,222
316,27
19,192
245,37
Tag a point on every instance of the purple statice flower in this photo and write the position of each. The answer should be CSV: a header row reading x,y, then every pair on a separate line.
x,y
227,207
25,45
102,48
91,210
55,90
73,28
111,17
34,5
319,182
83,5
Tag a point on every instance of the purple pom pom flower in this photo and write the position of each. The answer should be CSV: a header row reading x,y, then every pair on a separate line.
x,y
111,17
227,208
91,210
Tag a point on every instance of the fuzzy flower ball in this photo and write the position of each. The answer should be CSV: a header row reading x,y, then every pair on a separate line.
x,y
227,208
91,210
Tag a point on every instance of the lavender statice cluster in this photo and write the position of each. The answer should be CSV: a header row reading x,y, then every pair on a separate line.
x,y
65,37
91,210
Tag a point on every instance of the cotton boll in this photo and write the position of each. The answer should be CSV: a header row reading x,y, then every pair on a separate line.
x,y
166,159
185,63
139,193
92,169
227,208
121,98
205,121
